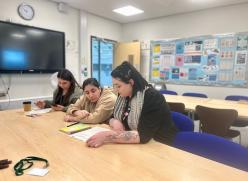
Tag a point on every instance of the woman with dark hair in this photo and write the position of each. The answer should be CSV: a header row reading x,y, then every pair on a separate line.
x,y
95,106
67,92
140,114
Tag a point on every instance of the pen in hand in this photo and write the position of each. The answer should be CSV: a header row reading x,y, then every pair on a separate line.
x,y
73,124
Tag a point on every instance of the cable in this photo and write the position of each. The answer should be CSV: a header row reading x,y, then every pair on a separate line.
x,y
26,163
7,88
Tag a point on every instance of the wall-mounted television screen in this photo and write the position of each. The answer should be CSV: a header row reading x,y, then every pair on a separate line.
x,y
30,49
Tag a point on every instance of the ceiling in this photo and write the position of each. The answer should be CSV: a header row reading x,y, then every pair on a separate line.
x,y
152,8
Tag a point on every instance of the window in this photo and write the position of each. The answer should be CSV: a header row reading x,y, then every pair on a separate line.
x,y
102,57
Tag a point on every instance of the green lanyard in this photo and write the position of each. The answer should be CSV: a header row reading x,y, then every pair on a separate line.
x,y
26,163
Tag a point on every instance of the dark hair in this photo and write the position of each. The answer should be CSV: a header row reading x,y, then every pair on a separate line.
x,y
91,81
65,74
125,72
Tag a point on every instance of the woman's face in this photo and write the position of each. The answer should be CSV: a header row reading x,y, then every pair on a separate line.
x,y
92,92
124,89
64,84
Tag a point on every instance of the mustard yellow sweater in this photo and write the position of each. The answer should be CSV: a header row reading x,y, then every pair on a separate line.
x,y
100,111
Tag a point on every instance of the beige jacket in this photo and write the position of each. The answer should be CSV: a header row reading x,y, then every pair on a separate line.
x,y
99,111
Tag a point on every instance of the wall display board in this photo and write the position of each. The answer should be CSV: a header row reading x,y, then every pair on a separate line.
x,y
212,60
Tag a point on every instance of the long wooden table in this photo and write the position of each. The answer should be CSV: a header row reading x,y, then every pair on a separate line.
x,y
192,102
71,159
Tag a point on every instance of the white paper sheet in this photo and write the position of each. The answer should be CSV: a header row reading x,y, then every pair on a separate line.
x,y
38,111
38,171
84,135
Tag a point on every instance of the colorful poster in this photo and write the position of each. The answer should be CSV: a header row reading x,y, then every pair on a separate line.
x,y
167,61
179,60
212,60
212,77
226,64
227,43
242,42
167,49
193,47
192,74
183,74
227,54
192,59
155,72
211,51
179,47
239,73
241,57
225,76
156,49
175,73
210,43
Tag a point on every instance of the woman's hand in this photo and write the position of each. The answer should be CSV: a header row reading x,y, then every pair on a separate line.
x,y
98,139
69,118
58,108
81,113
116,125
40,104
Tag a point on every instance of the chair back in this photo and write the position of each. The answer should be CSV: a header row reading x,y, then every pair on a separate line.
x,y
236,98
177,106
192,94
182,122
214,148
168,92
216,121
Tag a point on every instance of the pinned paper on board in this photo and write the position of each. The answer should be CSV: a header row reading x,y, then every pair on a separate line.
x,y
241,57
213,60
156,49
239,73
242,42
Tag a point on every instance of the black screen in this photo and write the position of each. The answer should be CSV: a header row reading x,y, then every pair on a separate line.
x,y
30,49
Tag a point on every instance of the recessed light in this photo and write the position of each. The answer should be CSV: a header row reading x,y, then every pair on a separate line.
x,y
202,1
128,11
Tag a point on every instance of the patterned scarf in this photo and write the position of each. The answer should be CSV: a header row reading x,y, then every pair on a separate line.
x,y
135,111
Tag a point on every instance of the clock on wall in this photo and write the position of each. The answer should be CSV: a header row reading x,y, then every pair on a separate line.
x,y
26,11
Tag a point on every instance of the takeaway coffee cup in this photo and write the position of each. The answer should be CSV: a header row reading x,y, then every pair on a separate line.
x,y
27,106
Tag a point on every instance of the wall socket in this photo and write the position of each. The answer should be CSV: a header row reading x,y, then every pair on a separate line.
x,y
2,94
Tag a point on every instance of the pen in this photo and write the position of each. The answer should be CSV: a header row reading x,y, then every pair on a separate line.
x,y
72,124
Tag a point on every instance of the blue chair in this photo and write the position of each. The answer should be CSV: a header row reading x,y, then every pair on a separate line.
x,y
192,94
214,148
182,122
236,98
168,92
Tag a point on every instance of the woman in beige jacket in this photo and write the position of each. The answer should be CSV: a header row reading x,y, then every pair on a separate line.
x,y
95,106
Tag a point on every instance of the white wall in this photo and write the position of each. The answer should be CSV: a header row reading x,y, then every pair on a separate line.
x,y
46,16
212,21
78,27
99,27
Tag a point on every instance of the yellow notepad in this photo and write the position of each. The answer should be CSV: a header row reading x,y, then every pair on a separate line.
x,y
75,128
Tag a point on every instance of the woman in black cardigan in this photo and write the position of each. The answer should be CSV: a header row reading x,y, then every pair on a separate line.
x,y
140,114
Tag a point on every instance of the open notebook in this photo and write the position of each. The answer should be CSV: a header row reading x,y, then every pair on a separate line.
x,y
84,135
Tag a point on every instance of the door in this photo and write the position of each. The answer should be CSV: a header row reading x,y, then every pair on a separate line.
x,y
128,52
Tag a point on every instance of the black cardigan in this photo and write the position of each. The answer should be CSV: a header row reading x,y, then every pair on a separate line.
x,y
155,119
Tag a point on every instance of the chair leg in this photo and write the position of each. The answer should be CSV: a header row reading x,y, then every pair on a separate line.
x,y
192,115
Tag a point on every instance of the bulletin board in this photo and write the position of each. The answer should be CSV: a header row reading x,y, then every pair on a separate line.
x,y
212,60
